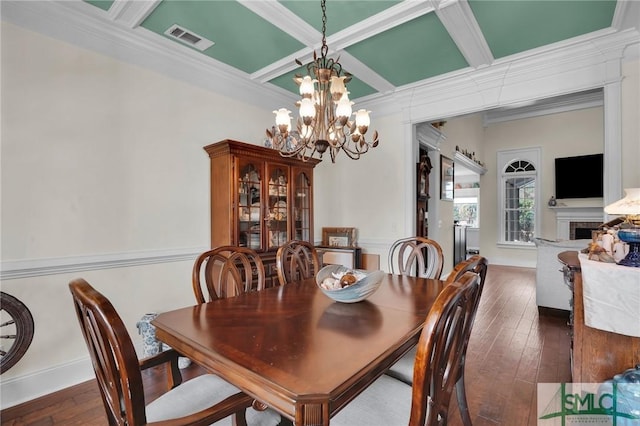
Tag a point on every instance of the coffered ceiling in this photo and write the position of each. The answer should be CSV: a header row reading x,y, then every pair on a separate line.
x,y
388,45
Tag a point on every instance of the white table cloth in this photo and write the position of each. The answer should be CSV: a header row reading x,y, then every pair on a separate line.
x,y
611,296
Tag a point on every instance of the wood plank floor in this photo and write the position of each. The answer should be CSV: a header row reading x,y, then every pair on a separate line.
x,y
511,349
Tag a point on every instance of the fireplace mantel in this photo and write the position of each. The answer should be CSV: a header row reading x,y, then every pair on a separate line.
x,y
567,214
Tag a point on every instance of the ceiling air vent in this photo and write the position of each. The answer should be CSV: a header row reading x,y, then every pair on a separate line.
x,y
188,37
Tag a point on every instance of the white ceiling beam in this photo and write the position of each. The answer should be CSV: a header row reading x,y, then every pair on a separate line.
x,y
459,21
285,20
282,17
365,74
392,17
626,15
131,13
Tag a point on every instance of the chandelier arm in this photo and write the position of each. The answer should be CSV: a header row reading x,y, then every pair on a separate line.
x,y
325,111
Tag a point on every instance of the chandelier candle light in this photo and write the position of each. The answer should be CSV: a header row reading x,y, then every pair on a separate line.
x,y
325,113
629,230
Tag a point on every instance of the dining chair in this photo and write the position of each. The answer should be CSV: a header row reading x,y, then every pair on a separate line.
x,y
416,256
200,401
389,401
227,271
403,368
296,260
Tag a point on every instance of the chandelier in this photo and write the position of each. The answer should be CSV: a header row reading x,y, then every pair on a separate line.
x,y
325,113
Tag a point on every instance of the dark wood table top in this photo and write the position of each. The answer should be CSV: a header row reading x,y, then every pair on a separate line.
x,y
295,349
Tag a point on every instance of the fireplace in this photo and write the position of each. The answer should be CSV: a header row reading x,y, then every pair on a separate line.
x,y
582,230
576,223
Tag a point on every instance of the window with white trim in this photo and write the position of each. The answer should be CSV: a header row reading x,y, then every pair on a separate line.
x,y
518,185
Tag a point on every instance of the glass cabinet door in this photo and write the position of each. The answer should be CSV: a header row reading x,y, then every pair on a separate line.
x,y
278,188
250,205
302,206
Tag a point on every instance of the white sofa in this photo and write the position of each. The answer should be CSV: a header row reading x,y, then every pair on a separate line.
x,y
551,290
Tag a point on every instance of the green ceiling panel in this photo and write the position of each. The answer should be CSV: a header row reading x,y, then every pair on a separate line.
x,y
356,88
242,39
417,50
340,13
517,25
102,4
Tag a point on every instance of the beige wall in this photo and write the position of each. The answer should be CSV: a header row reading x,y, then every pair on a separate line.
x,y
631,124
559,135
102,157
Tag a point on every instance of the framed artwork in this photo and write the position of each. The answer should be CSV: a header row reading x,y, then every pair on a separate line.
x,y
339,237
446,178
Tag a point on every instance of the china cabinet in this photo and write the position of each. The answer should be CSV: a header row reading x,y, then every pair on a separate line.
x,y
259,199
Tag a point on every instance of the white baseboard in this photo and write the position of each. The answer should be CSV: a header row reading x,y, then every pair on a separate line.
x,y
25,388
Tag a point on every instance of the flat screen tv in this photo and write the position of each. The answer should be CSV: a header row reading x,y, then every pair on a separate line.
x,y
580,176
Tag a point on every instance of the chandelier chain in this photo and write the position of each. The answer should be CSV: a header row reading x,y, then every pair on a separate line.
x,y
324,50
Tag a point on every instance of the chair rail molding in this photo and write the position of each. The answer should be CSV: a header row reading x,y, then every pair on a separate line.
x,y
25,268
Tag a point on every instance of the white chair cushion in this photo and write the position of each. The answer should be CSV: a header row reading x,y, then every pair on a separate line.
x,y
387,402
198,394
403,369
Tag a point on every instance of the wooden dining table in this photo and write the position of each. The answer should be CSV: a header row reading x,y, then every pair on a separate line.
x,y
295,349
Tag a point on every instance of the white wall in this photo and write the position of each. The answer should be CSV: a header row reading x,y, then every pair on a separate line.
x,y
101,158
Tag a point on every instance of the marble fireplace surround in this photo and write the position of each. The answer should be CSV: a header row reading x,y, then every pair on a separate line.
x,y
570,218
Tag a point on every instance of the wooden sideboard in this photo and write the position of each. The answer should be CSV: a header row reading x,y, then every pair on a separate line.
x,y
596,355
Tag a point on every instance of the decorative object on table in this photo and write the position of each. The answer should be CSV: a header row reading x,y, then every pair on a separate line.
x,y
347,285
339,237
446,178
325,112
552,201
629,230
598,253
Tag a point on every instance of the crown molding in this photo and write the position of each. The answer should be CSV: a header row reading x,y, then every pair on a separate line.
x,y
79,24
578,64
428,135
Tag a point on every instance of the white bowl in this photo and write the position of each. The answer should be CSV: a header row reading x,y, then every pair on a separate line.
x,y
355,292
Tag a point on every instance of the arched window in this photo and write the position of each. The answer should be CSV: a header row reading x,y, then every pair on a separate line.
x,y
518,189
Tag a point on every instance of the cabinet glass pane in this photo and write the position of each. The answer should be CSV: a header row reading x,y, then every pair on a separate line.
x,y
302,207
250,206
277,225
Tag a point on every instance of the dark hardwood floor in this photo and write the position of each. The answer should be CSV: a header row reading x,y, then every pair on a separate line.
x,y
511,349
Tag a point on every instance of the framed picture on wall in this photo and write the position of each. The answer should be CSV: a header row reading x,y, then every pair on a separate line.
x,y
339,237
446,178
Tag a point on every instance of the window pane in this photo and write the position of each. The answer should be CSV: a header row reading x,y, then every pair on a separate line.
x,y
519,209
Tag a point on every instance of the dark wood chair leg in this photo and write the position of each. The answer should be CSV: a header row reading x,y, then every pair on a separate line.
x,y
462,401
239,418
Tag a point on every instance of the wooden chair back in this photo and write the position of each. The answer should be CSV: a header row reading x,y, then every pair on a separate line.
x,y
227,271
440,349
479,265
296,260
113,355
416,256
